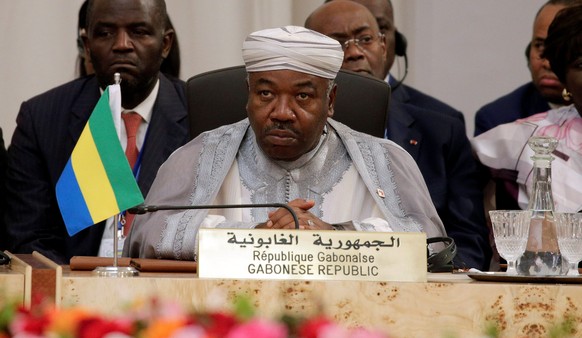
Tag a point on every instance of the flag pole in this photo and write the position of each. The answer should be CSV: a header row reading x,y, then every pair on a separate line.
x,y
116,219
116,270
115,227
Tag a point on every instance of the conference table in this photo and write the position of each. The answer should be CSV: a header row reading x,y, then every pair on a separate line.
x,y
448,305
12,282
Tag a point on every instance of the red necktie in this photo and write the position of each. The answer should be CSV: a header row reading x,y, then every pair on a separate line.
x,y
132,122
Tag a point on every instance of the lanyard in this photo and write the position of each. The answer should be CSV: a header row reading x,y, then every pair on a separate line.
x,y
136,170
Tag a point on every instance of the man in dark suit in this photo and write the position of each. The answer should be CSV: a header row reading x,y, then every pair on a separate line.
x,y
539,95
126,37
396,45
436,141
524,101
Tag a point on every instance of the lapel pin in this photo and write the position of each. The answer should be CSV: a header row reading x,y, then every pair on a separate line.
x,y
413,142
380,193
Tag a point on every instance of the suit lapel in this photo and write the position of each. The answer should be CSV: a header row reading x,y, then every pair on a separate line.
x,y
167,131
402,127
81,111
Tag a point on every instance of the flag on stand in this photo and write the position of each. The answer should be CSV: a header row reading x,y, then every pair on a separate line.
x,y
97,182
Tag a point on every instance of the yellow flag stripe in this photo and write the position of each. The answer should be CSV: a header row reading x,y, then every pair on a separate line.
x,y
92,178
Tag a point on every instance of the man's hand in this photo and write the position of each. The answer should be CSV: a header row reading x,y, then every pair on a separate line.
x,y
282,219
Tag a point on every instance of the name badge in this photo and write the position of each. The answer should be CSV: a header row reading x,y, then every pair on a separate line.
x,y
312,255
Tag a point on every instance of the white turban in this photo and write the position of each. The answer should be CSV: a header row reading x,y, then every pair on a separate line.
x,y
292,48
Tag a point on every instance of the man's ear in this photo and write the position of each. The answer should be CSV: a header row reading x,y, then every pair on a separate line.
x,y
80,43
331,100
168,41
83,45
527,54
383,44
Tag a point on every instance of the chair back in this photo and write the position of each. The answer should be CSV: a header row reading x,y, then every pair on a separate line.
x,y
219,97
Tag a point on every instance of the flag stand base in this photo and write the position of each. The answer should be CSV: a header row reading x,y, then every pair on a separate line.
x,y
115,271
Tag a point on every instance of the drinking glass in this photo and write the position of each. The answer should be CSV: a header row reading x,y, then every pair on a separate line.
x,y
510,230
570,239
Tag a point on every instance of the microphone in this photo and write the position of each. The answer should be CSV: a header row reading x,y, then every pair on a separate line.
x,y
142,208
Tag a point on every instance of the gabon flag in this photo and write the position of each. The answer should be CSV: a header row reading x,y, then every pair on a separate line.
x,y
97,182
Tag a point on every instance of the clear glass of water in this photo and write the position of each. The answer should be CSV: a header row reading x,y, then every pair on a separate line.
x,y
510,230
569,227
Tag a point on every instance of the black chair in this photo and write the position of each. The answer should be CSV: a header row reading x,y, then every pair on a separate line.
x,y
219,97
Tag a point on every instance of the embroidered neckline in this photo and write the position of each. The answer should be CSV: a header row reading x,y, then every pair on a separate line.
x,y
271,181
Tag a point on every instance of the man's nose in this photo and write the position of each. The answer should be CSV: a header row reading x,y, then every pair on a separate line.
x,y
352,51
282,110
122,41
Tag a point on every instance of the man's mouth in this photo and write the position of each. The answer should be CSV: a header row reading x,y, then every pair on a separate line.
x,y
280,137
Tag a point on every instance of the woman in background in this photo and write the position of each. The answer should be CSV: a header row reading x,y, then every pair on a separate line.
x,y
504,149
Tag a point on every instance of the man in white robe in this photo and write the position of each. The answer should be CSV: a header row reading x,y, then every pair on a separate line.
x,y
290,151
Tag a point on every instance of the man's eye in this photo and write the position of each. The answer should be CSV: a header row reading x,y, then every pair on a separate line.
x,y
365,39
264,93
140,32
103,33
302,96
384,26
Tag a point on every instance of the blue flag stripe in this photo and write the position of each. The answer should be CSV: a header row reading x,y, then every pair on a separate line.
x,y
71,201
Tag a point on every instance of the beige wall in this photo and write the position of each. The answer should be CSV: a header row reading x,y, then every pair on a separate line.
x,y
465,52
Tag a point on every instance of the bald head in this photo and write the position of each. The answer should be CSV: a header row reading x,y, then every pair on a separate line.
x,y
345,21
383,11
336,12
159,6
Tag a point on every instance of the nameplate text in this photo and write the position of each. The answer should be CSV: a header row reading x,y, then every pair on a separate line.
x,y
312,255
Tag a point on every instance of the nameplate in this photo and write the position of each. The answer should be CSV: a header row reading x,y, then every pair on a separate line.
x,y
311,255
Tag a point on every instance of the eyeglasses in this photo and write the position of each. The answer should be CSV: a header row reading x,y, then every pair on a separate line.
x,y
361,41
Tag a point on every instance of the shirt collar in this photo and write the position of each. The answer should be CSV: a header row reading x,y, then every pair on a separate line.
x,y
144,109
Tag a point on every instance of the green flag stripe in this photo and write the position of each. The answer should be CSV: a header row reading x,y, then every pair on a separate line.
x,y
114,161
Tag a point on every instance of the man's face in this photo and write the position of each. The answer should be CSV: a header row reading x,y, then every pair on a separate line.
x,y
345,21
542,76
288,111
384,14
127,37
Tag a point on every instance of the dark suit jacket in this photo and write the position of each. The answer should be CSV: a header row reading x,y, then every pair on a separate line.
x,y
409,95
523,102
439,145
3,244
48,127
